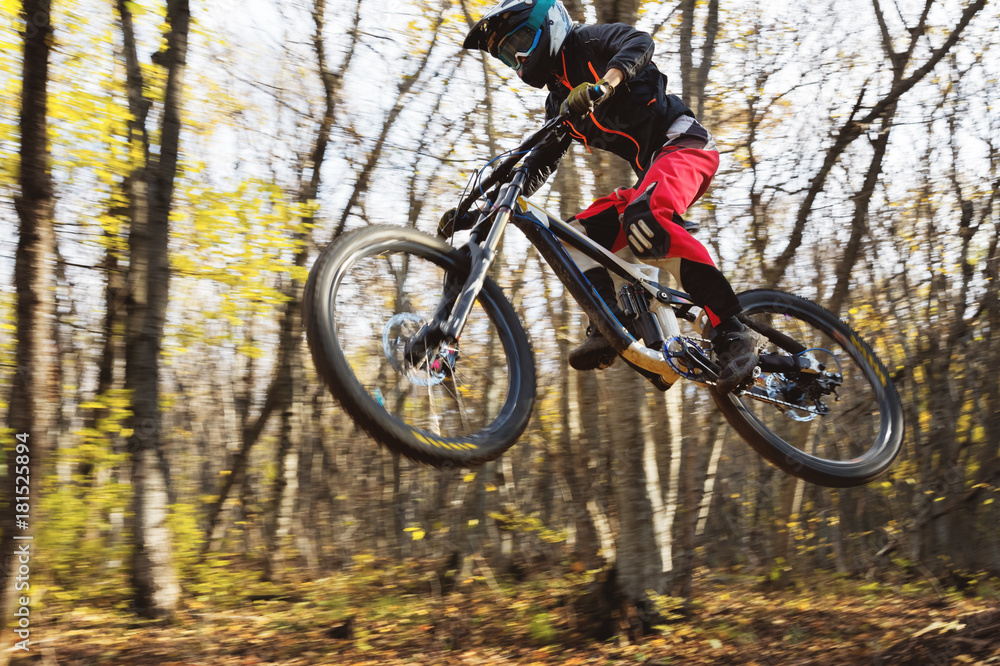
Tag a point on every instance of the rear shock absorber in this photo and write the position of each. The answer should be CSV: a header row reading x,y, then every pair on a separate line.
x,y
635,303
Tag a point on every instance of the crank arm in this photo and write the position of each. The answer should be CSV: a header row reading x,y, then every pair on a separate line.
x,y
694,355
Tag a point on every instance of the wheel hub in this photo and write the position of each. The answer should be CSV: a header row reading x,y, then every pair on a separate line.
x,y
429,368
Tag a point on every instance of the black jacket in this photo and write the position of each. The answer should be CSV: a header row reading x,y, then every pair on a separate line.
x,y
633,122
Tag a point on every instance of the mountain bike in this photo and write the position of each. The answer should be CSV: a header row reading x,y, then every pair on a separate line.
x,y
425,352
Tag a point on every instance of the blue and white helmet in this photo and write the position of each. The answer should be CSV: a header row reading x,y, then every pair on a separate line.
x,y
525,35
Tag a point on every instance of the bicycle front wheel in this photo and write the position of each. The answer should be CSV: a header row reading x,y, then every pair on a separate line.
x,y
367,297
839,427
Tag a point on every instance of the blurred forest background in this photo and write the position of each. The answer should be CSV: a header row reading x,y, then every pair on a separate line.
x,y
168,170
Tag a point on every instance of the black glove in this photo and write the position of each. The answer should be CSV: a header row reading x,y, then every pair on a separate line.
x,y
449,225
579,101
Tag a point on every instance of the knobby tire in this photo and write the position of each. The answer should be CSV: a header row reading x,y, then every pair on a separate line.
x,y
870,429
331,324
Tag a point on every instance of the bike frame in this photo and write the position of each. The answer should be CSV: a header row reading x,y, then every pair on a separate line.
x,y
675,355
551,236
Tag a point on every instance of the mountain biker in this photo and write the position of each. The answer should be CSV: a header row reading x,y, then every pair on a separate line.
x,y
672,155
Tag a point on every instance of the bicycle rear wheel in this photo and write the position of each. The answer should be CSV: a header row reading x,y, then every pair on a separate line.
x,y
367,297
840,427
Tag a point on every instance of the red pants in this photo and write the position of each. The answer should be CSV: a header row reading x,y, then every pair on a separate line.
x,y
648,218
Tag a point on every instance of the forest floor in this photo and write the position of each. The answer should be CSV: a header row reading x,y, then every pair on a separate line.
x,y
388,615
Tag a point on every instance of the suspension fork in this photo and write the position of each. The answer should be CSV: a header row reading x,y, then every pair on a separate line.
x,y
483,257
453,310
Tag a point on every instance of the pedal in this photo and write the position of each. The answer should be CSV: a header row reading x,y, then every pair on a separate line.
x,y
605,362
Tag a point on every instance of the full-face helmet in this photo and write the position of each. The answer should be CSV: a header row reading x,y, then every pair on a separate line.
x,y
525,35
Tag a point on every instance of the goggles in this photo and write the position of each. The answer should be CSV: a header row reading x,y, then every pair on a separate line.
x,y
515,48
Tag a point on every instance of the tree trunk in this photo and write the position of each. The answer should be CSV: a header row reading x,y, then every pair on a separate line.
x,y
33,394
698,446
617,11
281,390
675,446
154,577
281,505
643,536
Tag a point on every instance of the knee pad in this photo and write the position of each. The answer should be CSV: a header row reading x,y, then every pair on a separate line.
x,y
642,231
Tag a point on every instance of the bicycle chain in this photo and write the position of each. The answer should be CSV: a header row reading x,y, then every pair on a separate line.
x,y
775,401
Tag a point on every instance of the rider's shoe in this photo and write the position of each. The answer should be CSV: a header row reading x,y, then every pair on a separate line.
x,y
596,351
738,353
593,353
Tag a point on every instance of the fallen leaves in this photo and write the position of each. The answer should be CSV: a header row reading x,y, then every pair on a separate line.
x,y
386,618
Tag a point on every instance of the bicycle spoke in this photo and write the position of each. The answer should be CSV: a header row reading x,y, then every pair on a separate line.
x,y
386,300
844,422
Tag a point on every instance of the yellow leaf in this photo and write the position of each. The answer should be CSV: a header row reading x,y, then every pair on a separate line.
x,y
418,535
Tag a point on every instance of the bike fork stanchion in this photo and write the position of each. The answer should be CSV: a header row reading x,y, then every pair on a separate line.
x,y
482,259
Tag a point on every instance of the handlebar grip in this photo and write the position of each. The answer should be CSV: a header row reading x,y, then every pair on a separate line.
x,y
596,93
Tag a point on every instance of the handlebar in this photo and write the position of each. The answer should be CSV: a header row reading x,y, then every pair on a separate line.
x,y
503,170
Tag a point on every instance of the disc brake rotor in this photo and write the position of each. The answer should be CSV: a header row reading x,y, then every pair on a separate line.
x,y
398,331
